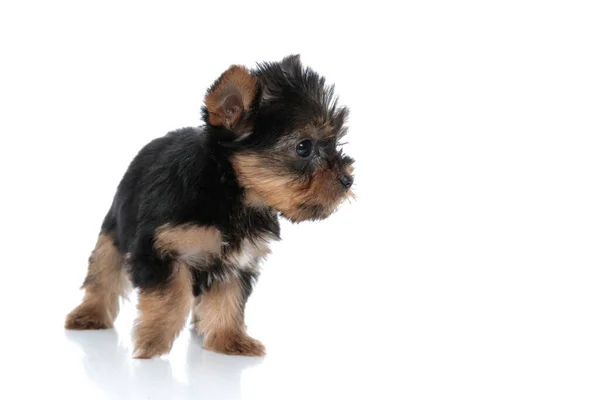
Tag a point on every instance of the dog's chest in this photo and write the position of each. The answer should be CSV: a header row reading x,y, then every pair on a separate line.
x,y
247,252
248,237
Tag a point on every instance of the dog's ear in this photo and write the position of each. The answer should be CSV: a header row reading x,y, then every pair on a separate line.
x,y
230,96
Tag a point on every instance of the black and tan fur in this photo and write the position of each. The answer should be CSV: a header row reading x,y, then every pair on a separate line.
x,y
194,214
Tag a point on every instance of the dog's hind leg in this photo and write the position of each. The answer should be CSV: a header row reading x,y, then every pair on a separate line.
x,y
105,283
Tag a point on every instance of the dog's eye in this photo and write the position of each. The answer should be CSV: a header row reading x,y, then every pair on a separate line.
x,y
304,148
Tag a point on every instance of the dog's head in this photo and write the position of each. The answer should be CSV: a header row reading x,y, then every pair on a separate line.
x,y
283,127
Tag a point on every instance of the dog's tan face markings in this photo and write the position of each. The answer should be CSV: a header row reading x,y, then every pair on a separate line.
x,y
270,176
105,283
295,197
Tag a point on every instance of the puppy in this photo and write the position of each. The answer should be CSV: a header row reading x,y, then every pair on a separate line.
x,y
194,214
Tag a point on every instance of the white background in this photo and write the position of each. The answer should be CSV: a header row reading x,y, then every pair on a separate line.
x,y
468,268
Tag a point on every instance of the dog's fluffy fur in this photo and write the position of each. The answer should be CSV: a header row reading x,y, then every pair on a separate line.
x,y
193,216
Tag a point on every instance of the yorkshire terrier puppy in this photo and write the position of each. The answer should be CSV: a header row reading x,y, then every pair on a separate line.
x,y
194,214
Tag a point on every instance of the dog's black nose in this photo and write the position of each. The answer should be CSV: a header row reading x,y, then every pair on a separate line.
x,y
346,181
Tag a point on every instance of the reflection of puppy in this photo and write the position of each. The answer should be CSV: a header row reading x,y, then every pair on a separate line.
x,y
107,364
196,209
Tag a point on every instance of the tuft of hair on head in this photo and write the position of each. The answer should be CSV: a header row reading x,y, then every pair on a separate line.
x,y
229,98
309,92
291,64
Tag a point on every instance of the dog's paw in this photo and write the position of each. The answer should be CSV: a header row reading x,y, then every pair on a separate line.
x,y
234,344
151,349
85,318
